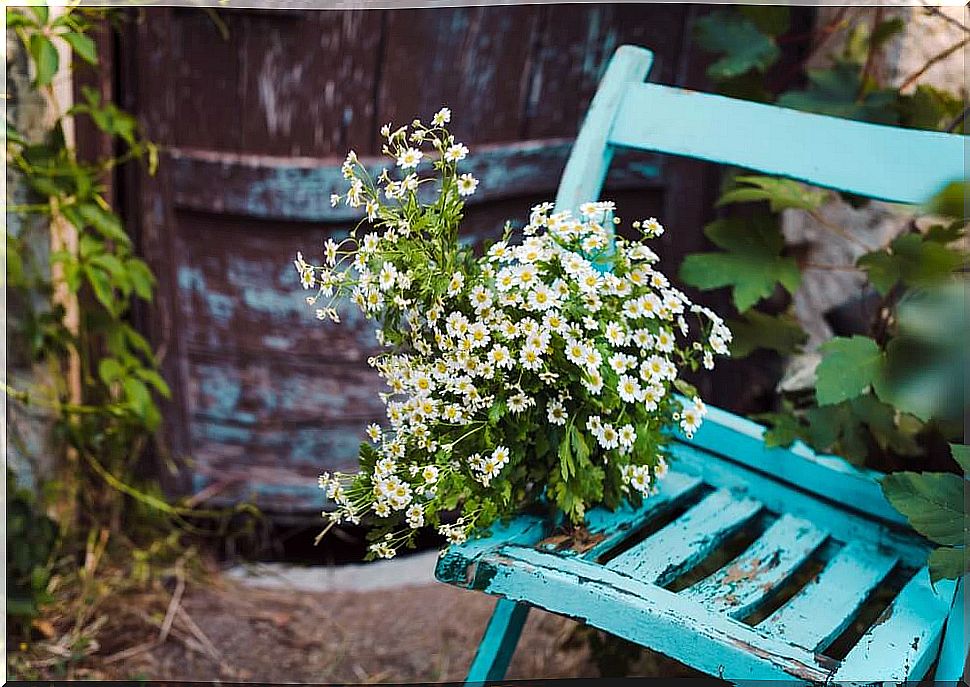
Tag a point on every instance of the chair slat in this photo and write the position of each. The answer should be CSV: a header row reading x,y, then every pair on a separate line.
x,y
817,614
884,162
674,549
902,644
647,615
740,587
612,527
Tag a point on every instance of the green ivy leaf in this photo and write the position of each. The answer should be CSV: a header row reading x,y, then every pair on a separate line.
x,y
42,13
933,502
849,367
83,46
141,277
752,263
105,222
948,563
110,370
45,59
155,380
950,200
780,333
780,193
911,259
100,282
929,108
742,46
137,396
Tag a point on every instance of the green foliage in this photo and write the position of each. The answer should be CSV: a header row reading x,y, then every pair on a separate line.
x,y
849,367
742,46
31,538
781,194
751,263
935,505
780,333
891,393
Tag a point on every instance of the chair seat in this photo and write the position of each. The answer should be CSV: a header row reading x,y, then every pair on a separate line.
x,y
731,570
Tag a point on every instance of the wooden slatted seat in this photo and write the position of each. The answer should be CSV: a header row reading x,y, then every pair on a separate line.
x,y
749,562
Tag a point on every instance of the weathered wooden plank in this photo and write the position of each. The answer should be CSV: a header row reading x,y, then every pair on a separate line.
x,y
952,665
889,163
828,476
498,643
820,611
740,587
591,155
299,188
574,43
781,497
471,59
307,86
662,556
645,614
903,642
605,529
457,563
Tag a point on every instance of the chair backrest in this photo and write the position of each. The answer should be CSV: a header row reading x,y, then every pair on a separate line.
x,y
882,162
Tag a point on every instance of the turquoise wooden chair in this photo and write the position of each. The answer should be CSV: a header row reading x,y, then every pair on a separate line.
x,y
638,575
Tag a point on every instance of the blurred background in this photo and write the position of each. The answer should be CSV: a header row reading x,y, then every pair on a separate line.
x,y
206,142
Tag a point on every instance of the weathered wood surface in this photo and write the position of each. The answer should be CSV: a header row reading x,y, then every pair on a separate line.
x,y
525,561
253,129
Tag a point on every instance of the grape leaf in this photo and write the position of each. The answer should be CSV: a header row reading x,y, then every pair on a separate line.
x,y
737,39
948,563
933,502
780,193
848,368
752,263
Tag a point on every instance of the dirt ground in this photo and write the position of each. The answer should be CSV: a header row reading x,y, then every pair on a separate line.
x,y
410,634
226,630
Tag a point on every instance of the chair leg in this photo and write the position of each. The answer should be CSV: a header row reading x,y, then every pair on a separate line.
x,y
498,643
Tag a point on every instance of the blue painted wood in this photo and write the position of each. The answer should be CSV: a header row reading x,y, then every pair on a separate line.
x,y
663,556
607,528
885,162
828,476
498,643
740,587
952,665
814,495
591,155
819,613
780,496
646,614
903,642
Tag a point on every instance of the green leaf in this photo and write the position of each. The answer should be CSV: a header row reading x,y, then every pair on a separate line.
x,y
912,259
42,13
17,19
945,233
933,502
141,278
138,397
780,333
580,448
785,429
752,263
737,39
961,454
773,20
849,367
155,379
950,201
780,193
566,466
83,46
948,563
100,282
45,59
105,222
110,370
929,108
835,91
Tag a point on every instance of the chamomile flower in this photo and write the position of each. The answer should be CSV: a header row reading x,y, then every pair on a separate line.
x,y
409,158
467,184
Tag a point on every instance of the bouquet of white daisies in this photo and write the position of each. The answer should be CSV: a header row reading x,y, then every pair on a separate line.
x,y
542,371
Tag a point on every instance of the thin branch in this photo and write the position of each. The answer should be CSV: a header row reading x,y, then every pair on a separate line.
x,y
867,68
933,60
935,11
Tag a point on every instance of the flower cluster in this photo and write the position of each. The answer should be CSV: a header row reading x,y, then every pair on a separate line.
x,y
544,369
